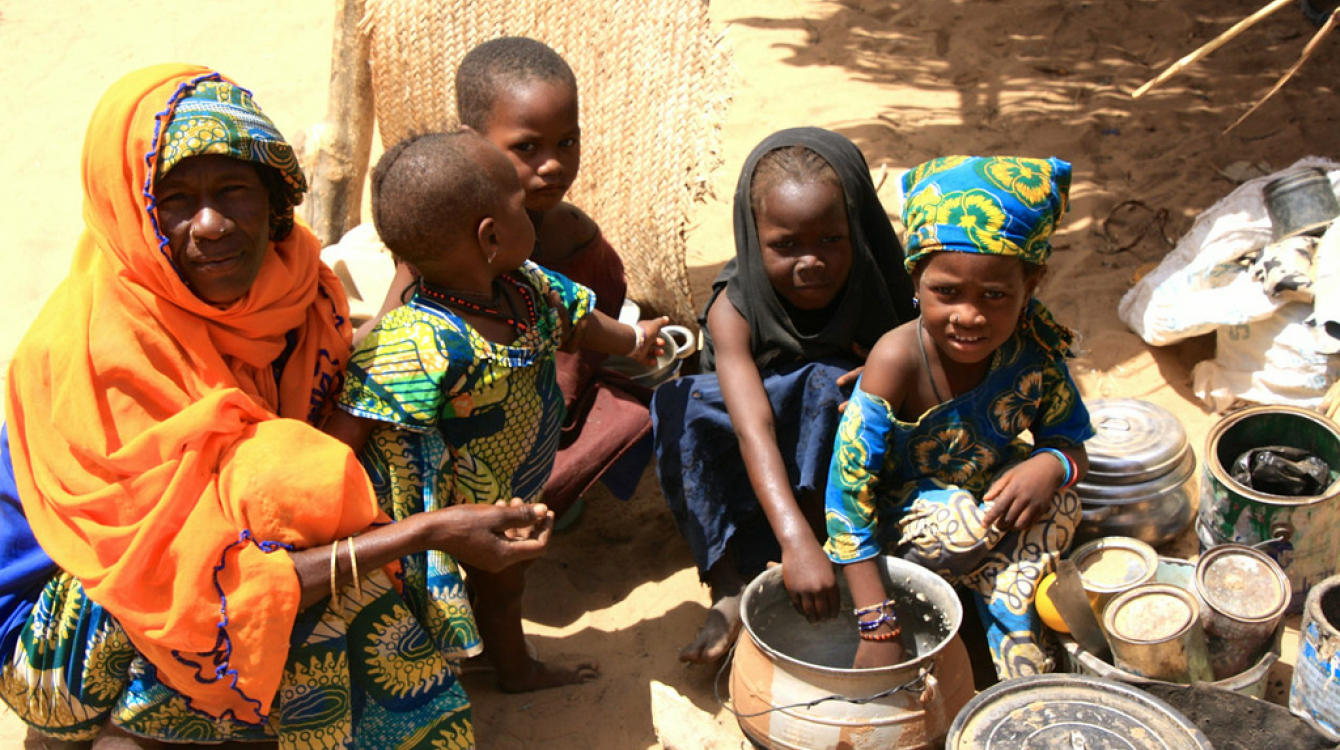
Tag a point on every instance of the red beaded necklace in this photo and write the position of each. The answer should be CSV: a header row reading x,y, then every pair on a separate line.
x,y
490,308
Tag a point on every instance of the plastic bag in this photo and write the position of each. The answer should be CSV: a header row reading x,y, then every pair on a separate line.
x,y
1282,470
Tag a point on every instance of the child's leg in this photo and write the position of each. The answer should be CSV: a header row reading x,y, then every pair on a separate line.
x,y
723,622
1006,583
498,614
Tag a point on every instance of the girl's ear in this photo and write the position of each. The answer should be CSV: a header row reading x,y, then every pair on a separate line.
x,y
1033,276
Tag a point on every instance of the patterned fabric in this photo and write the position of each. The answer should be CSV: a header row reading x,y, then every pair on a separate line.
x,y
217,117
463,420
702,473
358,675
1001,205
911,489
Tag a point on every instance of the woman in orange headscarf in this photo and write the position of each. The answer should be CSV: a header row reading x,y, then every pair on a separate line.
x,y
160,421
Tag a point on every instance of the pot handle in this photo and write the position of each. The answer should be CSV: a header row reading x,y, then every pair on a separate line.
x,y
684,340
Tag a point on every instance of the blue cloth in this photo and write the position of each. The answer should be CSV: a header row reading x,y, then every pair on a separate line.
x,y
701,470
24,567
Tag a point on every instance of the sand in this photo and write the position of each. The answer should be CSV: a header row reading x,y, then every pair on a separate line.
x,y
906,80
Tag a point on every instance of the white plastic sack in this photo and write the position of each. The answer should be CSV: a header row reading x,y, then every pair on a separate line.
x,y
1202,285
1277,360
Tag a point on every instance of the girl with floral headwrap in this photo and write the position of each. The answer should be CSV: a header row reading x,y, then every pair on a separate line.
x,y
929,463
177,558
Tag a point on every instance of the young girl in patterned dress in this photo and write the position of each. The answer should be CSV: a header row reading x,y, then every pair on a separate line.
x,y
929,463
453,397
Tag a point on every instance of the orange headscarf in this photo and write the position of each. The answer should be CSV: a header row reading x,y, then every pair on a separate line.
x,y
157,459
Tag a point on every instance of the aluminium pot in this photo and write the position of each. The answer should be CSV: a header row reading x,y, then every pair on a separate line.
x,y
1142,480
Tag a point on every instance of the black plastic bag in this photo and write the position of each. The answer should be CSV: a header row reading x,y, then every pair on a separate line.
x,y
1282,470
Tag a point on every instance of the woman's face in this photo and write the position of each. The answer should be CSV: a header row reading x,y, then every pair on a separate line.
x,y
970,302
215,212
805,241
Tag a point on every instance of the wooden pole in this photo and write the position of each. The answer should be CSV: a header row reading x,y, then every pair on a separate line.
x,y
344,140
1307,52
1212,45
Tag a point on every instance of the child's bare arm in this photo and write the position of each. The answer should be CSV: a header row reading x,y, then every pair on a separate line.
x,y
1022,494
599,332
807,572
348,429
867,590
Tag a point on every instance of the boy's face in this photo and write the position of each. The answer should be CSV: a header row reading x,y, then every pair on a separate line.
x,y
970,302
535,124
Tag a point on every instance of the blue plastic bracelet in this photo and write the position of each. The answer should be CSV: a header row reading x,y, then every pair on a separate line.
x,y
1066,464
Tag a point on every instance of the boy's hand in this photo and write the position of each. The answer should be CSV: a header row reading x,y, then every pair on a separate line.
x,y
1021,495
851,376
651,343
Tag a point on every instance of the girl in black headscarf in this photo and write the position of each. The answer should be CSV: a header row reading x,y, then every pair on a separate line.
x,y
743,449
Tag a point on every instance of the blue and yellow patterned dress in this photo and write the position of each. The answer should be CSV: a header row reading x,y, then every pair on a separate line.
x,y
911,489
462,420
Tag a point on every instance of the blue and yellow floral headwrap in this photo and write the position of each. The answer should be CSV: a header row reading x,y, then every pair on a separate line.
x,y
1001,205
221,118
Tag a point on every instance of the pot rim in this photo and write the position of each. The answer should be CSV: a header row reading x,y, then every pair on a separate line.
x,y
890,565
1214,467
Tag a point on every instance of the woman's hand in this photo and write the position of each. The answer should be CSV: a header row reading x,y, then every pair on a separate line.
x,y
1022,494
810,580
492,537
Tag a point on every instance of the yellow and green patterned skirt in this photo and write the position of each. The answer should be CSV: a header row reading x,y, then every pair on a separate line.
x,y
361,674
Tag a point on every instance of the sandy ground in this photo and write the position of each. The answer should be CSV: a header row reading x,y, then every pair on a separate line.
x,y
906,80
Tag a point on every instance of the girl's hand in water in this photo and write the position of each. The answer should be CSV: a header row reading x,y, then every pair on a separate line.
x,y
810,580
1023,493
870,654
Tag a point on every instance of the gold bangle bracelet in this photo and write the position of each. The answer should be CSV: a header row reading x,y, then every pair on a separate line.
x,y
353,560
334,585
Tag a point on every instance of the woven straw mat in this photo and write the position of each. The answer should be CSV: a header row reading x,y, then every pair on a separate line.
x,y
654,90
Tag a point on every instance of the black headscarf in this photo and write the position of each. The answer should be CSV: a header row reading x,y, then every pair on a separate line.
x,y
878,293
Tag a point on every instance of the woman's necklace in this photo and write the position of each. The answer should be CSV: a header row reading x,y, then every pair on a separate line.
x,y
490,307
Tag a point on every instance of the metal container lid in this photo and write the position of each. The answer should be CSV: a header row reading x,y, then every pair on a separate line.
x,y
1152,613
1064,712
1101,491
1135,441
1115,563
1242,582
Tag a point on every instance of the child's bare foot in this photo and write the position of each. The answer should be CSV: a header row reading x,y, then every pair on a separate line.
x,y
717,633
536,675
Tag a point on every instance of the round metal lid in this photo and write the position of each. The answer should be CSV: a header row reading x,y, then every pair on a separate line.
x,y
1151,614
1135,441
1065,712
1114,563
1242,582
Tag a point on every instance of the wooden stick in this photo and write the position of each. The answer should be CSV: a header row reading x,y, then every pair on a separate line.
x,y
1307,52
344,139
1212,45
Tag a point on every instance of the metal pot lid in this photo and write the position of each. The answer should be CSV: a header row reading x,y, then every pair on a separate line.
x,y
1114,563
1094,491
1135,441
1242,582
1064,712
1153,613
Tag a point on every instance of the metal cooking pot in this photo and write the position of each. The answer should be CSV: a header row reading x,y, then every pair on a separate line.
x,y
1142,479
